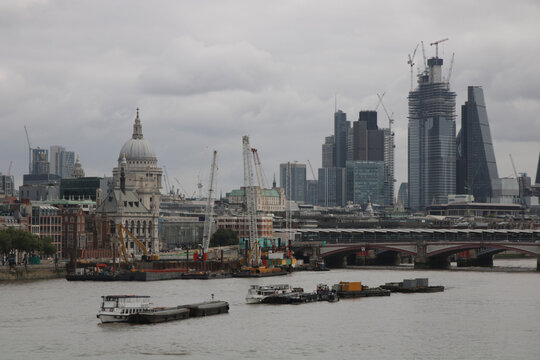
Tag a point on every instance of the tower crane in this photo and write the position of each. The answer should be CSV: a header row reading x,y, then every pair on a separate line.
x,y
450,69
410,61
180,185
209,211
424,56
311,169
436,43
260,178
251,202
521,200
29,151
168,188
389,116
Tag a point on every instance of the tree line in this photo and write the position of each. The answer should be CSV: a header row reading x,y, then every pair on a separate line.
x,y
12,239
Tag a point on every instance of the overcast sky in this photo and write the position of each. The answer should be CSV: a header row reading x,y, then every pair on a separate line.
x,y
204,73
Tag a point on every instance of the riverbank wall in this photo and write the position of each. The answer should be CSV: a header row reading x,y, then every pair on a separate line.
x,y
32,272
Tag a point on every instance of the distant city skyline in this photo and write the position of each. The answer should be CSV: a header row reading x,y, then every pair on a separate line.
x,y
74,73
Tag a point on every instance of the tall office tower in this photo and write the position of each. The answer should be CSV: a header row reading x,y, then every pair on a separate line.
x,y
328,159
368,138
432,134
40,161
54,150
537,180
350,145
297,189
7,185
61,161
389,167
341,128
403,195
371,144
312,192
476,167
332,187
365,182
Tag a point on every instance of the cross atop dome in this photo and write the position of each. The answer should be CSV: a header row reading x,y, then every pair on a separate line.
x,y
137,127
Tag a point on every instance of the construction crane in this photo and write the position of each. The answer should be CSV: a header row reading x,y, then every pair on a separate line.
x,y
311,169
251,204
180,185
389,116
168,188
29,151
209,211
436,43
410,61
521,200
260,179
424,56
121,229
450,69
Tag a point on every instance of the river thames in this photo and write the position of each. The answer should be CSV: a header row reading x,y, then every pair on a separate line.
x,y
480,315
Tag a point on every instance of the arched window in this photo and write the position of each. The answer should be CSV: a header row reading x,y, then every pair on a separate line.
x,y
144,227
132,226
138,227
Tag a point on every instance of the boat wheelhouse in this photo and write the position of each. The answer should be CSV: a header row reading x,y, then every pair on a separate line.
x,y
117,308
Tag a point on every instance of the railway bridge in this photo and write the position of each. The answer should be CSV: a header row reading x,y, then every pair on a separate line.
x,y
427,248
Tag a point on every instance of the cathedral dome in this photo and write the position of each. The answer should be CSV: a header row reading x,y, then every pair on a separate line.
x,y
137,148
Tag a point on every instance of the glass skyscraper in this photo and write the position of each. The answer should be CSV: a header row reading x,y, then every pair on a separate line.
x,y
431,145
341,129
476,167
365,182
297,189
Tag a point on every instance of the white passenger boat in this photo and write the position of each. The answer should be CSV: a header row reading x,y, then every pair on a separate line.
x,y
257,293
117,308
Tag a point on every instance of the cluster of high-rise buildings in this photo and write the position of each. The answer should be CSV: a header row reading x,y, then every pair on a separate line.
x,y
358,158
357,166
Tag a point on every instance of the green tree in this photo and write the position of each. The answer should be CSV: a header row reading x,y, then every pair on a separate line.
x,y
5,242
224,237
47,247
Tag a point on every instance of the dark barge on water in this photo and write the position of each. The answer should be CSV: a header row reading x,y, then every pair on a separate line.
x,y
418,285
180,312
356,289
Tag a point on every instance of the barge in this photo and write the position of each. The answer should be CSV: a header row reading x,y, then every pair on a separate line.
x,y
180,312
356,289
418,285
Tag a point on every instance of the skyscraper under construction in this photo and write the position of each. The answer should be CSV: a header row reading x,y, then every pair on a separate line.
x,y
432,133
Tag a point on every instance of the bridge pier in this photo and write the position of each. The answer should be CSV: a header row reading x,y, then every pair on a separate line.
x,y
436,262
481,261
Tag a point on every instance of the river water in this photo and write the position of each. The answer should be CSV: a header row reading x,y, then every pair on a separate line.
x,y
480,315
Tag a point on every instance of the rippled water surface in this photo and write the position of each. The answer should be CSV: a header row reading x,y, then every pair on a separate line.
x,y
480,315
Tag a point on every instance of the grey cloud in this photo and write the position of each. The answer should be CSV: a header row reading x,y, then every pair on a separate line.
x,y
190,67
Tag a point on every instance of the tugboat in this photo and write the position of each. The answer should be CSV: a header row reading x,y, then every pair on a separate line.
x,y
117,308
324,293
